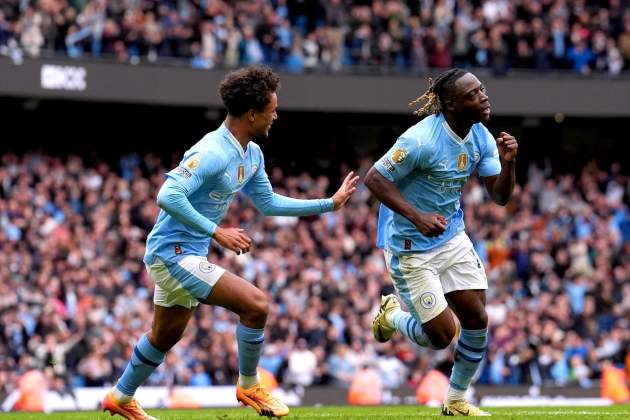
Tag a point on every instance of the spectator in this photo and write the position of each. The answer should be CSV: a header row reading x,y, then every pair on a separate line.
x,y
301,365
335,34
73,293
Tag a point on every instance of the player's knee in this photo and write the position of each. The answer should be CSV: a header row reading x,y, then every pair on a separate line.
x,y
258,309
482,319
477,320
442,340
165,337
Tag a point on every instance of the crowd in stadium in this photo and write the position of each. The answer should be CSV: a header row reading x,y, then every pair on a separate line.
x,y
329,35
75,297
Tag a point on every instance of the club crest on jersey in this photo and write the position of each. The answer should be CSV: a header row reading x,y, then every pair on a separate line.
x,y
462,162
399,155
240,175
193,162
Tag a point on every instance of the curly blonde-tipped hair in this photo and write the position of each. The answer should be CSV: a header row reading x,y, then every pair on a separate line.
x,y
431,100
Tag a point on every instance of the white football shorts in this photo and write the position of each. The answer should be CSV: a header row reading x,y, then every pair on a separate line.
x,y
184,280
423,278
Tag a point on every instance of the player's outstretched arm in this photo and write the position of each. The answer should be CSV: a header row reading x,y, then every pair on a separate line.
x,y
271,204
343,194
500,187
388,193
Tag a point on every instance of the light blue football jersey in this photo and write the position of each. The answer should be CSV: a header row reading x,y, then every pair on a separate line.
x,y
211,173
430,164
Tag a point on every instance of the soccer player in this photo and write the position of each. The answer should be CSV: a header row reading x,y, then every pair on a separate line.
x,y
431,260
193,201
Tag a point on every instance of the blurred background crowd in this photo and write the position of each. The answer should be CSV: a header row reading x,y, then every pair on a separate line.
x,y
328,35
75,297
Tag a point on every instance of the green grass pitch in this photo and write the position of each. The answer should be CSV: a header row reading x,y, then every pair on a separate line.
x,y
380,412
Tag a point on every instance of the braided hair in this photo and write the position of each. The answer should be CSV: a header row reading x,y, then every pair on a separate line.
x,y
433,98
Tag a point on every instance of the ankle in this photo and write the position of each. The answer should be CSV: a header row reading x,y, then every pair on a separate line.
x,y
247,382
454,395
390,317
120,397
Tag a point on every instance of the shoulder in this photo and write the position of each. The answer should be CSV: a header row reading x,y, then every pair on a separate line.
x,y
482,131
209,152
419,133
255,148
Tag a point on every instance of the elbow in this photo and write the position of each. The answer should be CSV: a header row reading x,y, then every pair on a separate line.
x,y
162,200
501,199
165,198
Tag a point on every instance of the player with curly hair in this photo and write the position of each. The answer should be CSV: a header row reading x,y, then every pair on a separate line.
x,y
193,200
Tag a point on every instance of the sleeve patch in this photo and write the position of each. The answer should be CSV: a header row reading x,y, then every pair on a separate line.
x,y
193,162
180,170
387,164
399,155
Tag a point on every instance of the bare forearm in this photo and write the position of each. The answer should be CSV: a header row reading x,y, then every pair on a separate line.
x,y
388,194
504,185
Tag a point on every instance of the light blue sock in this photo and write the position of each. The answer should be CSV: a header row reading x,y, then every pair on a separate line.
x,y
410,328
144,360
469,352
250,344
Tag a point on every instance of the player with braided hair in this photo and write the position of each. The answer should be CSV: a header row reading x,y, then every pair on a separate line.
x,y
431,260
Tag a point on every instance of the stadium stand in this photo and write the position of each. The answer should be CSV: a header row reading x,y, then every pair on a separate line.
x,y
328,35
74,295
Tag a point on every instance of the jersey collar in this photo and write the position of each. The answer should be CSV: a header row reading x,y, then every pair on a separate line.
x,y
228,134
453,135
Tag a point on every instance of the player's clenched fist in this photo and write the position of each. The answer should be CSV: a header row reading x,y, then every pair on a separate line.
x,y
508,146
430,224
234,239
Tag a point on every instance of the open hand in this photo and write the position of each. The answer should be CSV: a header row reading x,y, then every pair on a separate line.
x,y
348,187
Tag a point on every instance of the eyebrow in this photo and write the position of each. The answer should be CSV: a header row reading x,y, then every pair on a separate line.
x,y
480,86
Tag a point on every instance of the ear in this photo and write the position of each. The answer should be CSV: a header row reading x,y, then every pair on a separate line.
x,y
251,115
449,104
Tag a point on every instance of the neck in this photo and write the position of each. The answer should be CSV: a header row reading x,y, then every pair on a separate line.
x,y
238,128
460,127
